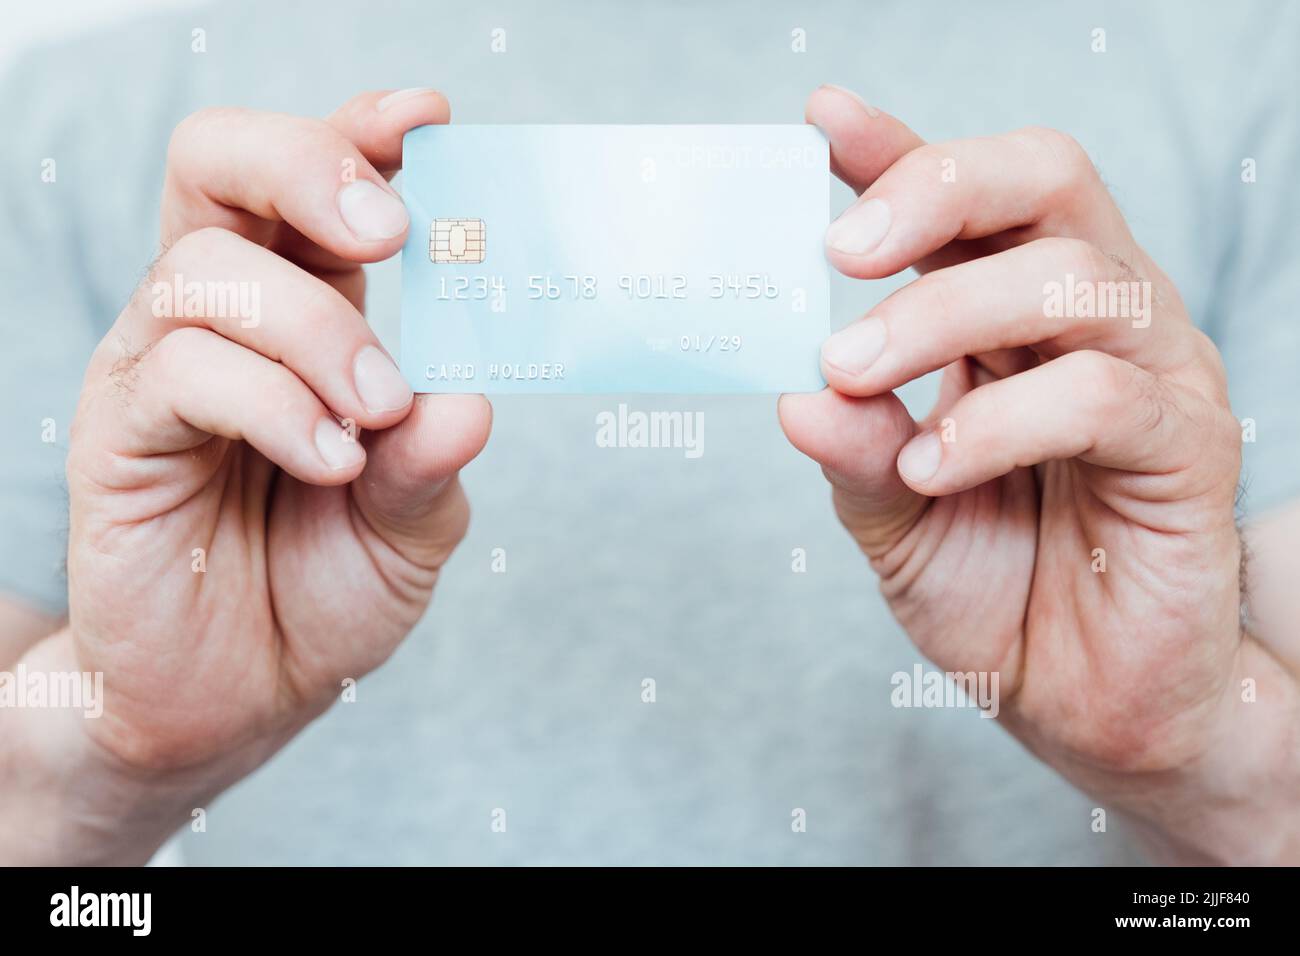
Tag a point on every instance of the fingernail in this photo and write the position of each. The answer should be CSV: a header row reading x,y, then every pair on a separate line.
x,y
337,446
380,385
871,110
860,229
398,95
370,212
919,459
854,348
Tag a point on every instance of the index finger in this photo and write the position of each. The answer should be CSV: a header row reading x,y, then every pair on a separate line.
x,y
865,141
249,172
1019,187
375,122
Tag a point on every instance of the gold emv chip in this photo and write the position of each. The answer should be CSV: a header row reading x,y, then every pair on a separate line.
x,y
457,240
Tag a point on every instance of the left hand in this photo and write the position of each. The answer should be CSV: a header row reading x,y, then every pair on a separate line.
x,y
1058,432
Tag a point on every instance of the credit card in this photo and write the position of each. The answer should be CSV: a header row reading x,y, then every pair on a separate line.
x,y
612,259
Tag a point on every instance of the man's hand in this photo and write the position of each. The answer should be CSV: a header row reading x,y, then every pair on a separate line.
x,y
1064,516
259,508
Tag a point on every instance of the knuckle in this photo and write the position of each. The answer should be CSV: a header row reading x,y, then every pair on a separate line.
x,y
1115,388
181,342
1088,260
123,366
324,306
312,137
169,354
1147,401
926,155
1095,371
318,305
190,129
1069,161
1060,146
930,294
185,254
1075,256
318,129
1225,428
286,391
189,253
922,165
1210,359
198,245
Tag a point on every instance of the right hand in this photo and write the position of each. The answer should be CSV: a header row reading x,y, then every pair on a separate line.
x,y
211,432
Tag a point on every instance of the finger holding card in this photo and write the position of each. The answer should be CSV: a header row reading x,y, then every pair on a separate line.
x,y
1078,471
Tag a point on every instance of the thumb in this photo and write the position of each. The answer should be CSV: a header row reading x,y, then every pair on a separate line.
x,y
408,491
856,441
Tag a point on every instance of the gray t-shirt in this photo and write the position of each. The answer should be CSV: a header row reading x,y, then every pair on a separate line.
x,y
523,690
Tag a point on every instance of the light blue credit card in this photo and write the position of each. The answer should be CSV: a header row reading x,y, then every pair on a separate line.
x,y
609,259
